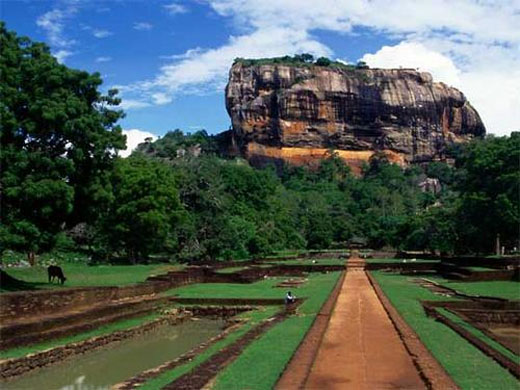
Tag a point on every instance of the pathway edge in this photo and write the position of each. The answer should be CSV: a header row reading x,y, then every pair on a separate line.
x,y
430,370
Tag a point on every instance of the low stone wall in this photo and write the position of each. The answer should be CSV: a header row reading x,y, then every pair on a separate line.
x,y
496,355
11,368
16,305
50,327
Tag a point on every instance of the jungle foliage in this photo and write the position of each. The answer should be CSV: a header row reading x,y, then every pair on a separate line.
x,y
62,182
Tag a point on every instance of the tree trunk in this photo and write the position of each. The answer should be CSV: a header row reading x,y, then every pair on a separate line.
x,y
31,257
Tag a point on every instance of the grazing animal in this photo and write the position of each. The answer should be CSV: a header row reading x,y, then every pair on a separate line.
x,y
56,272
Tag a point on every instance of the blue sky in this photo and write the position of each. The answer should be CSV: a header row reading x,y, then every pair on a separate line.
x,y
170,58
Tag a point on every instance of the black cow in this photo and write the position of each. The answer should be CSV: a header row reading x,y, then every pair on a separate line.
x,y
56,272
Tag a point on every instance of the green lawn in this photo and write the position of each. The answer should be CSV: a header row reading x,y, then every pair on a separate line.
x,y
481,269
468,366
252,318
331,261
479,334
230,270
80,274
393,261
102,330
493,288
272,351
264,288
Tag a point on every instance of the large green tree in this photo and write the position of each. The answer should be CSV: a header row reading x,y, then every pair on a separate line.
x,y
58,140
145,209
489,183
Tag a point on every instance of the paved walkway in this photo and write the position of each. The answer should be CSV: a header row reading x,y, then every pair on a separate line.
x,y
361,348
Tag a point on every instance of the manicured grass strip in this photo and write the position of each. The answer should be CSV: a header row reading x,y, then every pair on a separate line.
x,y
270,354
262,289
481,269
466,364
331,261
81,275
494,288
480,335
404,261
252,318
230,270
101,331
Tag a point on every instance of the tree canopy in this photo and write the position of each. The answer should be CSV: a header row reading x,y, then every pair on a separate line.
x,y
58,140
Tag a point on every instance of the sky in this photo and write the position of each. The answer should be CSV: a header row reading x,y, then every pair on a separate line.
x,y
170,59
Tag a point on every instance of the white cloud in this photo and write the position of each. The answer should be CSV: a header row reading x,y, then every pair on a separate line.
x,y
61,55
98,33
415,55
133,138
160,98
143,26
175,8
129,104
103,59
466,43
488,76
53,22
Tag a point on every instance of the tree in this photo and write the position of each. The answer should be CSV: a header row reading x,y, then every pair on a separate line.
x,y
145,209
58,139
488,179
323,61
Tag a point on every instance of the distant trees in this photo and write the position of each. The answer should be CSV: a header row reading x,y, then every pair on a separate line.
x,y
58,139
176,196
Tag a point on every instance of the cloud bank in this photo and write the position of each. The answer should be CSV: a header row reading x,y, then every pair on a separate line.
x,y
471,44
133,138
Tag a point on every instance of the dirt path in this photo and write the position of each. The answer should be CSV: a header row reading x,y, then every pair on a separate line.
x,y
361,348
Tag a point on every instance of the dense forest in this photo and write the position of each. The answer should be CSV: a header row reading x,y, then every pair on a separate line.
x,y
63,185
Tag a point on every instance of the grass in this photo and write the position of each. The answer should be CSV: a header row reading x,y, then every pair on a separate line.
x,y
480,335
468,366
264,288
230,270
393,261
481,269
81,275
331,261
101,331
252,318
270,354
493,288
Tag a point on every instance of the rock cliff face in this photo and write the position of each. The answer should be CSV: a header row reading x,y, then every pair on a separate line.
x,y
298,114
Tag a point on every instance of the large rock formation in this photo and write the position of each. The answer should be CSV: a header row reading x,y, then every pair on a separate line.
x,y
298,113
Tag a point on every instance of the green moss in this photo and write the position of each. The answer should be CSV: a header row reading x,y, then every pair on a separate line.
x,y
468,366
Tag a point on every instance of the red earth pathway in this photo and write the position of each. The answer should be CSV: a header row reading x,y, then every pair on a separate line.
x,y
361,349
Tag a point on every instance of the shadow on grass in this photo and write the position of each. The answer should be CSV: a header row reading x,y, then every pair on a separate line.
x,y
10,284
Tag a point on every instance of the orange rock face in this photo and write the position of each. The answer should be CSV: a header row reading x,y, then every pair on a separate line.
x,y
297,114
